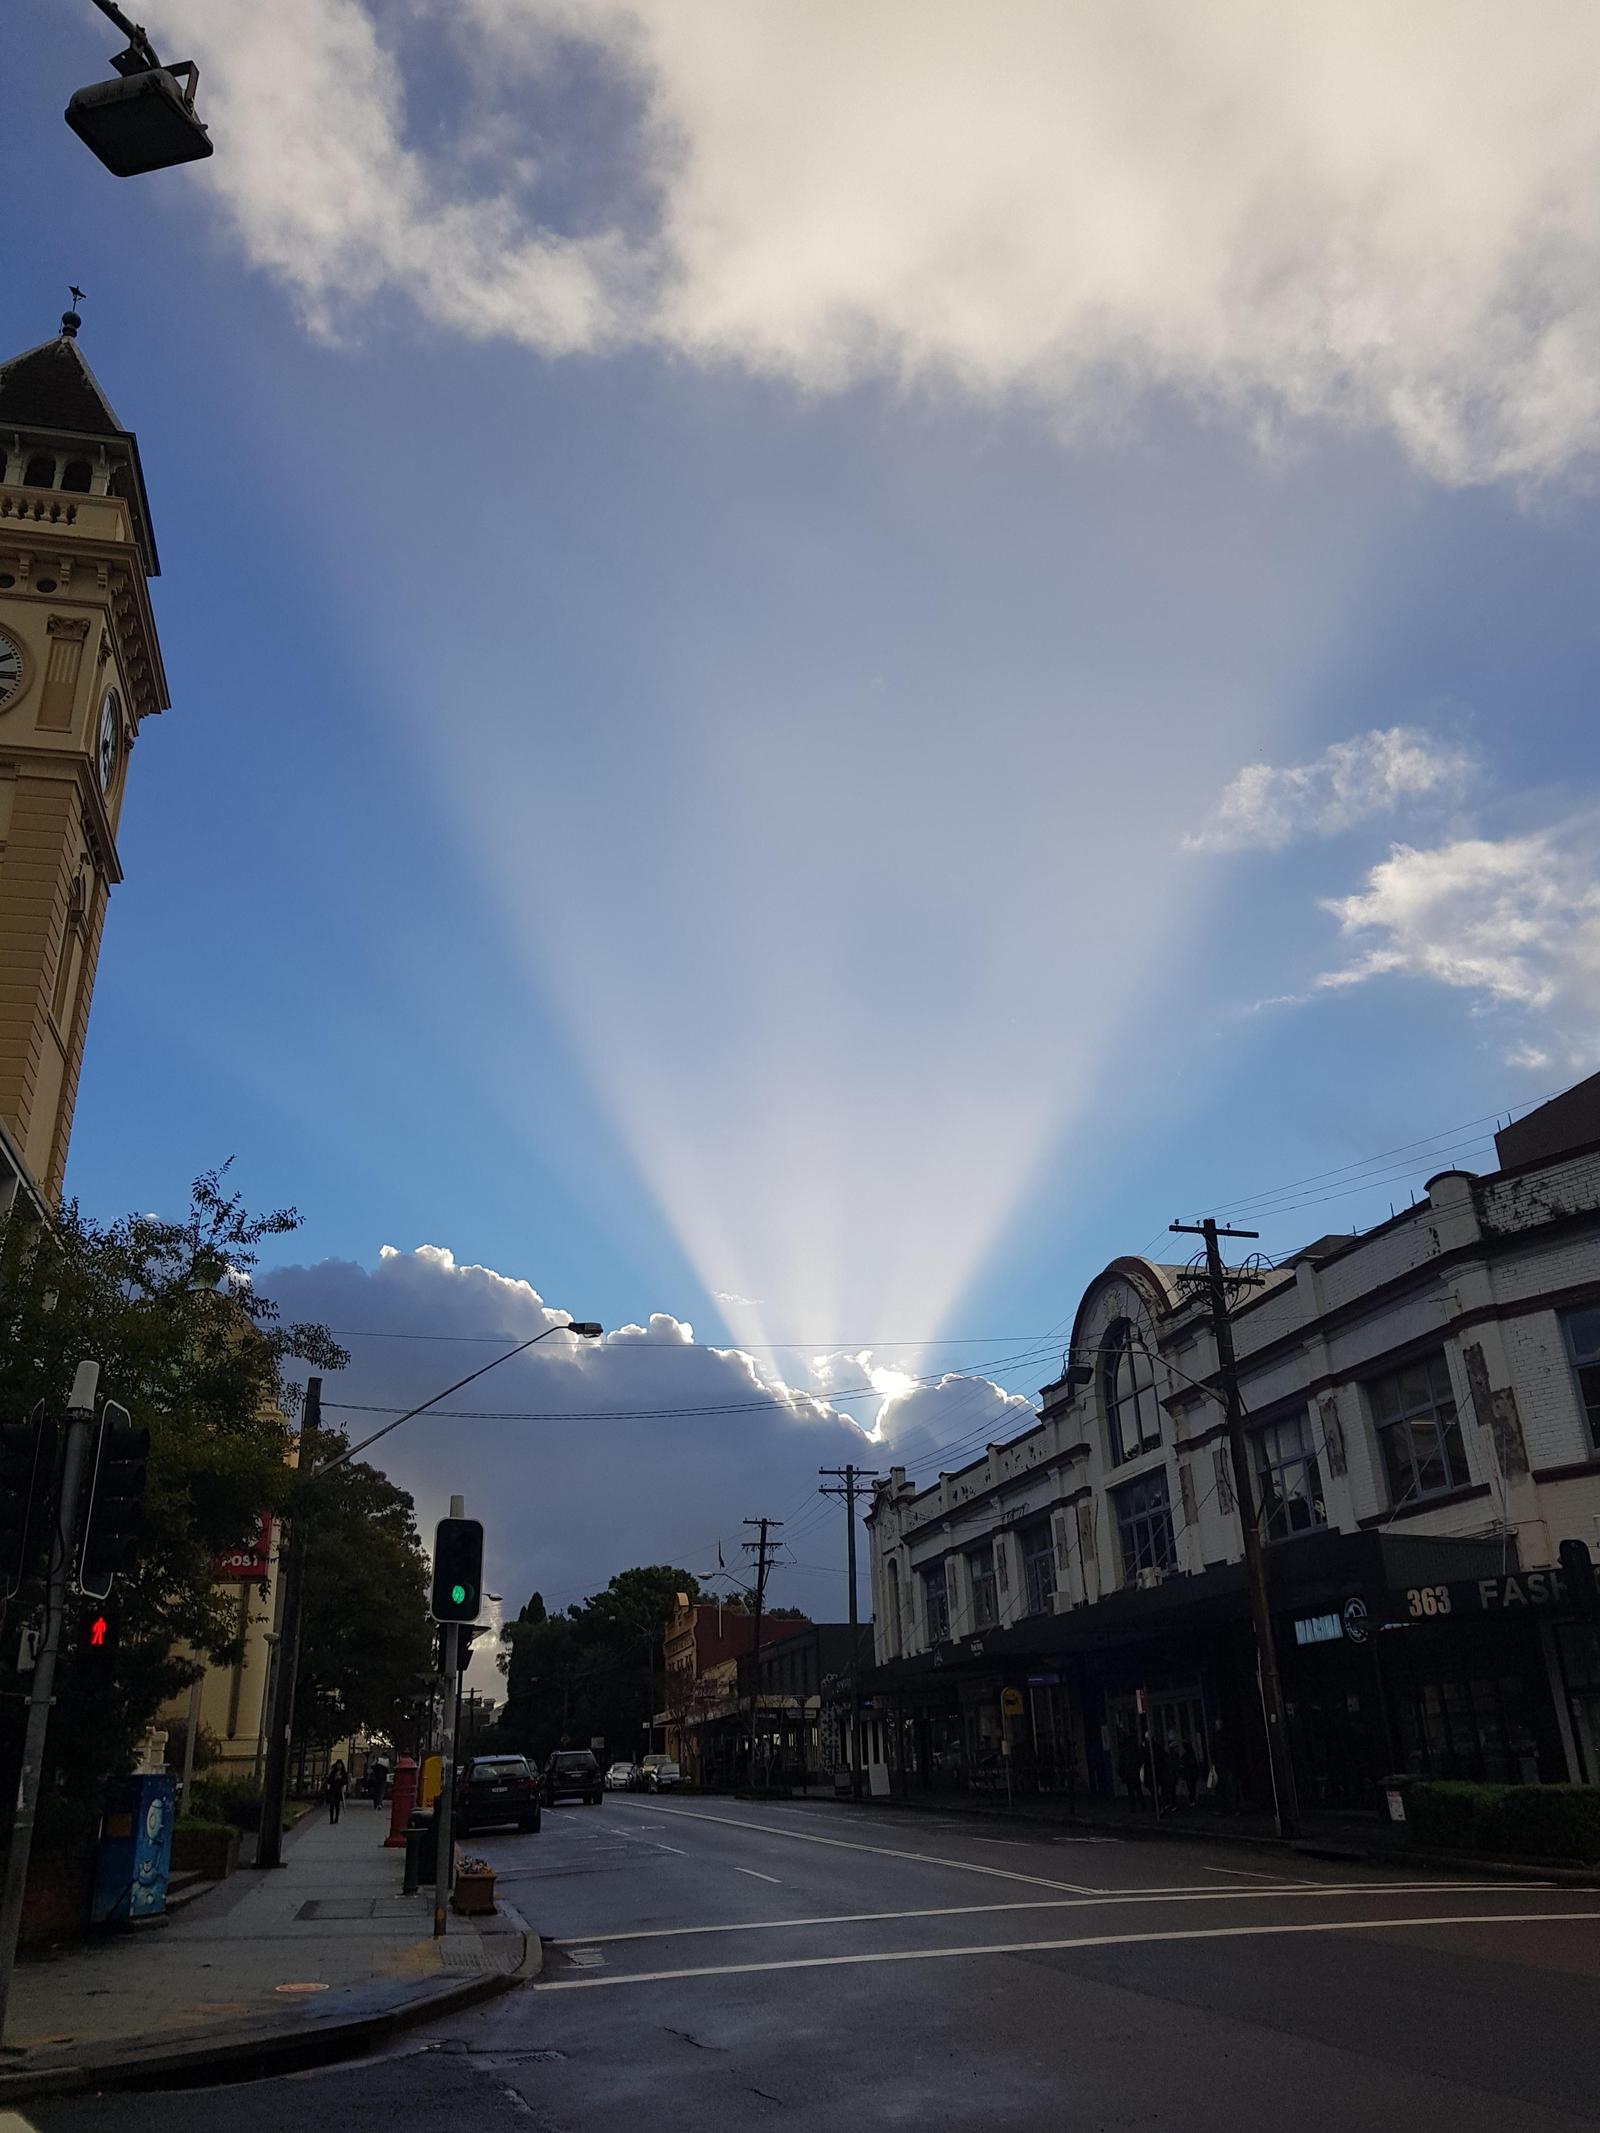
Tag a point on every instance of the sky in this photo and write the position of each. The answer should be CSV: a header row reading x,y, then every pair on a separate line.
x,y
826,663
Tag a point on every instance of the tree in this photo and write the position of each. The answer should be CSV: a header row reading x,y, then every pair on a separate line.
x,y
188,1344
366,1646
594,1672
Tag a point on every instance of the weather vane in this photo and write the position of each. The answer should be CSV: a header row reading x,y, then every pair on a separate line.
x,y
76,294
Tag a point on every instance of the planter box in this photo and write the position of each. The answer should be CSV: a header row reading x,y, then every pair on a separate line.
x,y
474,1896
210,1850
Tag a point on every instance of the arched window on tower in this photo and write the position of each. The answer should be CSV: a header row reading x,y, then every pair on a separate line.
x,y
1128,1389
40,472
77,476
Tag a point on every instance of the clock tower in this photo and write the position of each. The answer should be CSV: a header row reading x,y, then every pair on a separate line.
x,y
80,668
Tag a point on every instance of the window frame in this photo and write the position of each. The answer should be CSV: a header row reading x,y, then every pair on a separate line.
x,y
1274,1525
1119,1348
1152,1519
1449,1439
1037,1546
936,1603
984,1577
1586,1367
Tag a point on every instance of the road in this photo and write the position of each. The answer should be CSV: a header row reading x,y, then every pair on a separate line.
x,y
717,1965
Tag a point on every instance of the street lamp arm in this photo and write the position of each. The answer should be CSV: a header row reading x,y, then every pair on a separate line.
x,y
138,41
578,1328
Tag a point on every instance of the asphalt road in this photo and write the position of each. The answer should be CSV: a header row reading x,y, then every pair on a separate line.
x,y
716,1965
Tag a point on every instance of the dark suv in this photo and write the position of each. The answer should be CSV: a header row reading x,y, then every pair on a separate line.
x,y
572,1774
496,1788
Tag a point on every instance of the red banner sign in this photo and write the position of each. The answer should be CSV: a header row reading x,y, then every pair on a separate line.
x,y
248,1565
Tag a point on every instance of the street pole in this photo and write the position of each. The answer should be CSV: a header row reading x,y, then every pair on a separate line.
x,y
848,1475
74,1458
1286,1811
761,1550
443,1813
295,1536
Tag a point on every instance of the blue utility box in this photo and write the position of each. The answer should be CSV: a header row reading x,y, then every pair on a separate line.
x,y
134,1856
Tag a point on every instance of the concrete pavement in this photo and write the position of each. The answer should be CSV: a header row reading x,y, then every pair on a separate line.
x,y
270,1968
712,1964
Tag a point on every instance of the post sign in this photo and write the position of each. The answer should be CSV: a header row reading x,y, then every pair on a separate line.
x,y
1011,1703
249,1565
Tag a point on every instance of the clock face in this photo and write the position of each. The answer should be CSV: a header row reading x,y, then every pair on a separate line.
x,y
10,668
106,746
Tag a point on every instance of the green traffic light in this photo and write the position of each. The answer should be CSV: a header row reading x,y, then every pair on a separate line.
x,y
458,1593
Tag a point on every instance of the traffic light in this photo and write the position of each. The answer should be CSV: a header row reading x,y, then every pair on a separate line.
x,y
457,1570
116,1500
466,1638
22,1471
94,1658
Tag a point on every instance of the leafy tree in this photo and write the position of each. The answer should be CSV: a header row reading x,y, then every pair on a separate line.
x,y
192,1349
366,1647
594,1672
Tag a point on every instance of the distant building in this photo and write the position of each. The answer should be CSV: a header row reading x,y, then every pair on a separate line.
x,y
701,1637
797,1695
1424,1427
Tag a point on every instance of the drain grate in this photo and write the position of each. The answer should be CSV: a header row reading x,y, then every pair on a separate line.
x,y
460,1957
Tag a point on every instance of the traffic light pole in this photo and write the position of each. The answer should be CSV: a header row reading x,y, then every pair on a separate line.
x,y
445,1812
74,1460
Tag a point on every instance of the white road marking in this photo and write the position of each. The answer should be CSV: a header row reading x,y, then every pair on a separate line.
x,y
1091,1940
1249,1874
1062,1903
754,1876
882,1851
676,1850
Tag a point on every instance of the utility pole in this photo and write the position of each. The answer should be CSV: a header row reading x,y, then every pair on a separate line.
x,y
74,1458
761,1549
295,1535
1285,1805
847,1476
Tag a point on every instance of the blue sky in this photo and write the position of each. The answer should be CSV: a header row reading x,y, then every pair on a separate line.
x,y
721,573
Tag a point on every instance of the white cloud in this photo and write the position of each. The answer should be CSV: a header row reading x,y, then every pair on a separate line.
x,y
742,1303
1352,781
1330,211
583,1458
1516,923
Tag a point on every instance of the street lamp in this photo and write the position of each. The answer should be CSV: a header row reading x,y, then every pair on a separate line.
x,y
275,1778
145,120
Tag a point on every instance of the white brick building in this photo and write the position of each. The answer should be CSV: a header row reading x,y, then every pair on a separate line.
x,y
1424,1408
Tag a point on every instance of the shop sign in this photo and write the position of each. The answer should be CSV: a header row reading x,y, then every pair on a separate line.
x,y
1355,1621
1520,1592
249,1565
1011,1703
1318,1629
1044,1681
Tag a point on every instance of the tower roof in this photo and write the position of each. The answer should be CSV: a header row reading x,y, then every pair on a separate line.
x,y
51,387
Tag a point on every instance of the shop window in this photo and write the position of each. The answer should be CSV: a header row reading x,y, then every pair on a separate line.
x,y
985,1598
1582,1331
1039,1569
1288,1478
1128,1388
1415,1414
1144,1525
936,1600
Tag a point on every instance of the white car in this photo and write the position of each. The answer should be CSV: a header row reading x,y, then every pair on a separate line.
x,y
660,1773
620,1777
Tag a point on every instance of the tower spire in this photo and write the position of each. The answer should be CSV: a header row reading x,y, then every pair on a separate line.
x,y
70,321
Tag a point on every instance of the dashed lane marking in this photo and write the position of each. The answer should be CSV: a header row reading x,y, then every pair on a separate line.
x,y
754,1876
1061,1903
881,1851
1091,1940
1247,1873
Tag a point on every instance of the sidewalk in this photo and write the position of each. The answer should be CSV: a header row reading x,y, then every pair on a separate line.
x,y
315,1959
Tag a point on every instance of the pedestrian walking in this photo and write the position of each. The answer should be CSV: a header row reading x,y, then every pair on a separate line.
x,y
1189,1769
336,1787
377,1780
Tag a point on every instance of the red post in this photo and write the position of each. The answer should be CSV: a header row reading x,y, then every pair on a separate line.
x,y
404,1800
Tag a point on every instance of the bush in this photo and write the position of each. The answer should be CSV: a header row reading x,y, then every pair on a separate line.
x,y
1549,1822
236,1801
1450,1816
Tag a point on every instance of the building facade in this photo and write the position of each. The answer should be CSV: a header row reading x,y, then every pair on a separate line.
x,y
1423,1413
701,1641
80,670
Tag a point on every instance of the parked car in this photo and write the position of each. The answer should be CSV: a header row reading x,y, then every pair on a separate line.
x,y
660,1773
572,1774
497,1788
622,1777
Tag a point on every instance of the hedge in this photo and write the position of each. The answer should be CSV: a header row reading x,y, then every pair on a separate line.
x,y
1546,1822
